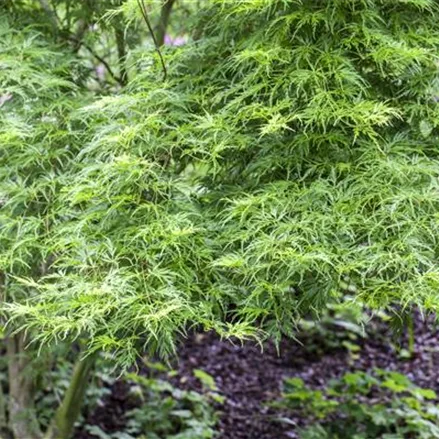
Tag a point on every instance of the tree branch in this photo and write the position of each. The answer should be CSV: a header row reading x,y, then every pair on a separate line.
x,y
151,31
98,57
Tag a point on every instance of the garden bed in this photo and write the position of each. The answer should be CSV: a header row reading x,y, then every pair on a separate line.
x,y
248,378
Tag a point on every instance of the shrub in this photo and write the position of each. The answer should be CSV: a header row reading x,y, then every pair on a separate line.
x,y
291,156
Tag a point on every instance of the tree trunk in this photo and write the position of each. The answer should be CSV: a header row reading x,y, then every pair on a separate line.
x,y
65,417
22,419
164,20
3,417
4,429
121,53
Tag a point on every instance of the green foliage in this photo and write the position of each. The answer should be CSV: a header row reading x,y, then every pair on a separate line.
x,y
38,143
166,412
363,406
290,157
320,175
206,379
338,327
163,411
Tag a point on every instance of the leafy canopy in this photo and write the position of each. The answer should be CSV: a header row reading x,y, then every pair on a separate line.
x,y
290,157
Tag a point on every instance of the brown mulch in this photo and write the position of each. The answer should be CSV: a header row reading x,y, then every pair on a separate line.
x,y
248,377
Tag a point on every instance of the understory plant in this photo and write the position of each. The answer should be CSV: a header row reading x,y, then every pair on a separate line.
x,y
155,406
169,412
361,405
337,328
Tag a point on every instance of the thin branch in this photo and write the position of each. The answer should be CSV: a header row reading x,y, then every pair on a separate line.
x,y
99,58
77,39
151,31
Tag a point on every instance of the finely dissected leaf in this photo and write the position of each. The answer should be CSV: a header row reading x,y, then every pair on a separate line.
x,y
291,156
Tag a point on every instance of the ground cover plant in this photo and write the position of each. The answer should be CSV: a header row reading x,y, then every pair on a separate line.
x,y
282,159
404,411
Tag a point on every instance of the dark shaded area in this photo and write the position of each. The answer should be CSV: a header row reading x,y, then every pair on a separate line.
x,y
248,378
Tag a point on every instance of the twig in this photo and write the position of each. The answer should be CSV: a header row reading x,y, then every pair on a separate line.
x,y
157,47
99,58
77,39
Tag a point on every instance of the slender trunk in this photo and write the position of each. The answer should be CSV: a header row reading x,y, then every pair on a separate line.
x,y
164,21
3,419
121,53
68,412
22,417
4,430
411,335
